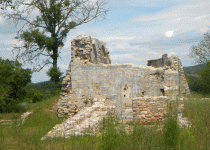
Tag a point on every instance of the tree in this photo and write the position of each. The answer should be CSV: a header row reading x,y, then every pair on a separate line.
x,y
13,79
54,73
204,80
5,3
201,52
47,30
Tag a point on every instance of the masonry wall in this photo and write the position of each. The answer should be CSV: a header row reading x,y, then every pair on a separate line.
x,y
161,62
90,75
119,83
149,109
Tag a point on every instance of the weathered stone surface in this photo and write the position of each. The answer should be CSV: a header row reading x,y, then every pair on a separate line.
x,y
154,108
88,119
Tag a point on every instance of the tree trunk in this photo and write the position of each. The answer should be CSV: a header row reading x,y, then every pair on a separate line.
x,y
55,58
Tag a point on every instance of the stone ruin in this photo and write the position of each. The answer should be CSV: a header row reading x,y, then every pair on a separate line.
x,y
94,88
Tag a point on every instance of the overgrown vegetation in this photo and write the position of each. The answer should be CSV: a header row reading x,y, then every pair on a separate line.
x,y
114,135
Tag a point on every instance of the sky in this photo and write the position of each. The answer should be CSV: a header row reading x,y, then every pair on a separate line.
x,y
134,31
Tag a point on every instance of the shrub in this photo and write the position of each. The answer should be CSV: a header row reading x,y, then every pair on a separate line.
x,y
31,92
37,97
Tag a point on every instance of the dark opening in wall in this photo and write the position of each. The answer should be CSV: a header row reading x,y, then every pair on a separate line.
x,y
124,95
94,50
162,91
126,87
103,50
142,93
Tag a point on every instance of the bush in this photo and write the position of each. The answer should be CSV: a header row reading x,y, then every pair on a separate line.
x,y
37,97
31,92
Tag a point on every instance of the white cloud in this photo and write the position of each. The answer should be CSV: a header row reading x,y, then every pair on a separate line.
x,y
169,33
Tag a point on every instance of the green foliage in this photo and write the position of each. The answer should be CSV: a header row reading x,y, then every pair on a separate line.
x,y
42,86
48,30
31,92
193,83
205,78
47,88
13,79
54,73
37,97
201,52
200,83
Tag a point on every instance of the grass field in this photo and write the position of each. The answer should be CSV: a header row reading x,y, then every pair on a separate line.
x,y
114,136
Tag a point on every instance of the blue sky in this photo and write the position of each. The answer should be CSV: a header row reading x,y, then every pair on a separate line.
x,y
134,31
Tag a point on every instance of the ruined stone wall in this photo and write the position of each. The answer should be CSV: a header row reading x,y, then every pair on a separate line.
x,y
90,75
119,83
152,109
89,50
161,62
172,65
176,65
149,109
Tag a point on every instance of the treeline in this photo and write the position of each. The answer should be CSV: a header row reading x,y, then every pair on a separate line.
x,y
43,90
194,69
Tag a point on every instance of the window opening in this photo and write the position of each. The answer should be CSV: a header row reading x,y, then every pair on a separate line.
x,y
162,91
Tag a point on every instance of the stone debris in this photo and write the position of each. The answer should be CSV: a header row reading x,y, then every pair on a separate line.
x,y
86,120
25,115
183,121
9,122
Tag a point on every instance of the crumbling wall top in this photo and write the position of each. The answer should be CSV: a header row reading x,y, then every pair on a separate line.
x,y
88,50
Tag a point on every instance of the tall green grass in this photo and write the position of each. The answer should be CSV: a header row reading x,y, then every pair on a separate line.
x,y
114,135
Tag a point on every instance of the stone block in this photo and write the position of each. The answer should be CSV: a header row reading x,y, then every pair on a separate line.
x,y
140,116
144,112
